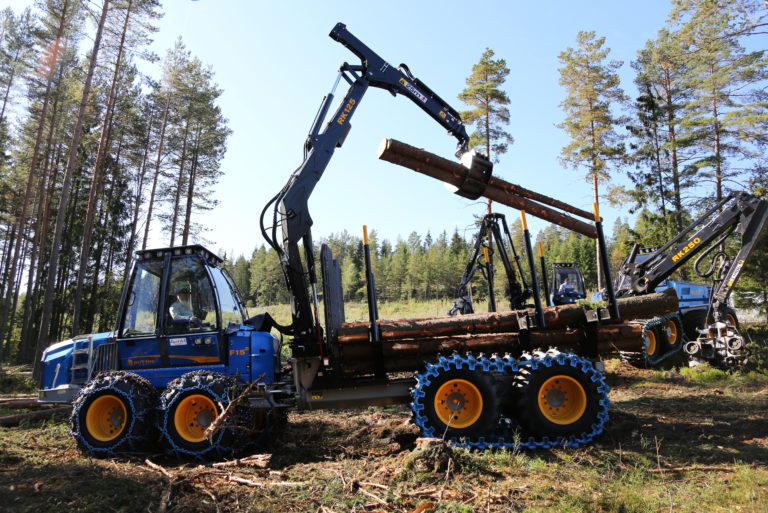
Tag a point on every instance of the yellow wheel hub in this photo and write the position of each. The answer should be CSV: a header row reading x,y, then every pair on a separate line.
x,y
650,342
458,403
671,332
193,416
562,400
105,418
730,319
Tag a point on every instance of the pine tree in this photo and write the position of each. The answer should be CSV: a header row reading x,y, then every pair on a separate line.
x,y
592,91
489,111
663,144
728,109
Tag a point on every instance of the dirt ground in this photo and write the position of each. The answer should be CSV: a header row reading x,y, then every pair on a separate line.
x,y
674,443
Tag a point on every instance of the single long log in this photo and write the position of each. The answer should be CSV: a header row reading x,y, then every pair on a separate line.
x,y
14,420
555,317
497,190
18,404
405,355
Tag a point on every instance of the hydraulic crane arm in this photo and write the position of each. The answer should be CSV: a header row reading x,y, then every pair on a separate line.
x,y
741,213
291,213
380,73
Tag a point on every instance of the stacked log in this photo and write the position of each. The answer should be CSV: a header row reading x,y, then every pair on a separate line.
x,y
407,343
640,307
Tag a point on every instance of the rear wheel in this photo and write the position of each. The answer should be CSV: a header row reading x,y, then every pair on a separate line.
x,y
114,413
654,343
672,331
559,399
189,405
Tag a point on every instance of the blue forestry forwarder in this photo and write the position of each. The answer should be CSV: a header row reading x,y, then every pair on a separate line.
x,y
185,367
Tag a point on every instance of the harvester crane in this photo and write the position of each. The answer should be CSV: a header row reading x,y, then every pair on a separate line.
x,y
290,210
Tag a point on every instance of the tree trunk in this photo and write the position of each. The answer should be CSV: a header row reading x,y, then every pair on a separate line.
x,y
498,190
157,171
191,189
409,354
177,196
65,190
39,240
137,204
97,179
555,317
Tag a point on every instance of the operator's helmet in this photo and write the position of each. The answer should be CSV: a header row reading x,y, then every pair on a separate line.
x,y
182,289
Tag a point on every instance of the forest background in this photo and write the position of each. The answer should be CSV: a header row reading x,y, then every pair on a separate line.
x,y
98,156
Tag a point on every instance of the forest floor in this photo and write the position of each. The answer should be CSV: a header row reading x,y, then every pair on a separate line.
x,y
687,441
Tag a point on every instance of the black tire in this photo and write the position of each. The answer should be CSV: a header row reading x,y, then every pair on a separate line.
x,y
455,402
188,405
693,321
543,390
672,334
114,414
655,344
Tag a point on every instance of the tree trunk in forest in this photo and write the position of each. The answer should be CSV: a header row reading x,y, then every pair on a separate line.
x,y
5,293
191,189
38,245
138,201
157,171
595,183
42,338
97,179
177,196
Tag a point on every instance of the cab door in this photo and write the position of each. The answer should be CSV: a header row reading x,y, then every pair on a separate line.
x,y
191,329
138,332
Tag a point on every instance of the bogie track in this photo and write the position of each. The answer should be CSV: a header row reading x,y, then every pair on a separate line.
x,y
535,401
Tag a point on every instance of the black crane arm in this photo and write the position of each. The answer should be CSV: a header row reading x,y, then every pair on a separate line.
x,y
740,213
380,73
290,211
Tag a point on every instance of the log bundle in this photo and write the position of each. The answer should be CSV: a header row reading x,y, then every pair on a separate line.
x,y
406,343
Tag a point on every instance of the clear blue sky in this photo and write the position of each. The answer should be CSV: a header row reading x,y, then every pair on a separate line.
x,y
275,62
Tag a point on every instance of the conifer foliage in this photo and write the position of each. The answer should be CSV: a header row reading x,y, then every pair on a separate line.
x,y
90,150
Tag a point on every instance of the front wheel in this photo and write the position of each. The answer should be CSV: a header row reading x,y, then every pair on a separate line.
x,y
114,414
454,401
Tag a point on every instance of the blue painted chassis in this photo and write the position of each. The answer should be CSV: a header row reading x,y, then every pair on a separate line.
x,y
250,355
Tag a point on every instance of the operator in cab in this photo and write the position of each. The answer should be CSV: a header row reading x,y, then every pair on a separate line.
x,y
181,309
565,288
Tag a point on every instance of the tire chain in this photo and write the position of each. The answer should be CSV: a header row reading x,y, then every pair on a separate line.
x,y
140,398
507,367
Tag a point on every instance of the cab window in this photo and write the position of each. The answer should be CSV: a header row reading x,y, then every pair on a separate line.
x,y
231,313
144,295
190,305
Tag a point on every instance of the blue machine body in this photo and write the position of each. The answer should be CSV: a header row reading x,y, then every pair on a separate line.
x,y
688,294
150,342
66,365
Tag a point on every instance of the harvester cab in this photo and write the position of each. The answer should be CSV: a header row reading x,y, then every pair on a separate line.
x,y
567,283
